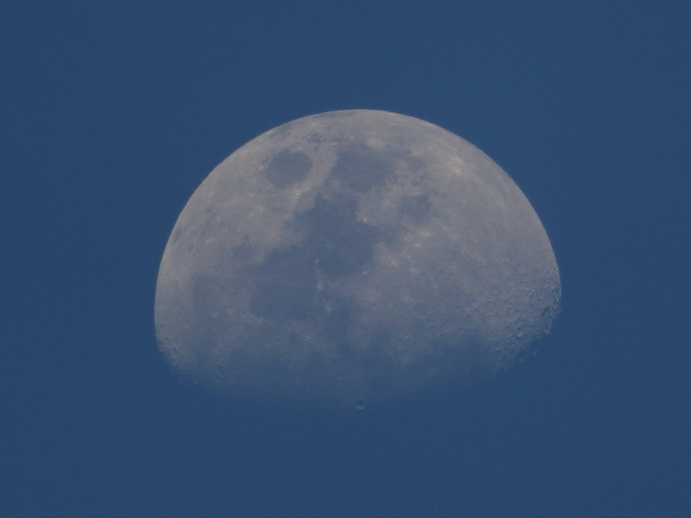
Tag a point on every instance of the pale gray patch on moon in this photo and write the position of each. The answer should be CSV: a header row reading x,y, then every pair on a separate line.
x,y
351,258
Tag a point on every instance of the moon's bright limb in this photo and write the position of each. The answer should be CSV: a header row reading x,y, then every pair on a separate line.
x,y
349,257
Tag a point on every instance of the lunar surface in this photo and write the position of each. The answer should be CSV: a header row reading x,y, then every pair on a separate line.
x,y
353,258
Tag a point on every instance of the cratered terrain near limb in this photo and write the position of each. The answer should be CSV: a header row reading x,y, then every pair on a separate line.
x,y
353,256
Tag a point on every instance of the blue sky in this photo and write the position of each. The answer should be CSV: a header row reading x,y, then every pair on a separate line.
x,y
114,112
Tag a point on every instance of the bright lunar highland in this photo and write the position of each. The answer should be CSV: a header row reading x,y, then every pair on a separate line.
x,y
349,258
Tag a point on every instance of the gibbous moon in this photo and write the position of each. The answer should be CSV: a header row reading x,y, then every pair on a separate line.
x,y
353,258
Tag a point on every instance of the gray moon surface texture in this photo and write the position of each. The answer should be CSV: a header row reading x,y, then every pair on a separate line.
x,y
353,258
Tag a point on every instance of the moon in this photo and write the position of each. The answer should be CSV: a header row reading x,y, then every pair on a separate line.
x,y
353,258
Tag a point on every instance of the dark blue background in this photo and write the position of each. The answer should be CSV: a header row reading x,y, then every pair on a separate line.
x,y
113,112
